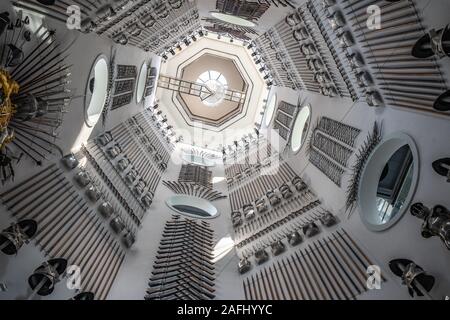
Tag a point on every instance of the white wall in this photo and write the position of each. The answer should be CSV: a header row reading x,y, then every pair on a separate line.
x,y
403,240
133,277
15,270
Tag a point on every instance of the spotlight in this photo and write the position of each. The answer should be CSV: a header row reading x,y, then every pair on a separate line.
x,y
231,40
164,56
262,69
179,47
201,33
194,37
266,77
250,46
172,52
219,36
186,42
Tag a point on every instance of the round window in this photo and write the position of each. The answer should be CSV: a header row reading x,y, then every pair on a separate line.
x,y
270,109
197,160
193,207
96,90
388,182
228,18
142,81
300,128
217,84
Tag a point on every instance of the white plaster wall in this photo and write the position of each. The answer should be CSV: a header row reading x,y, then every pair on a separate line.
x,y
131,282
403,240
14,270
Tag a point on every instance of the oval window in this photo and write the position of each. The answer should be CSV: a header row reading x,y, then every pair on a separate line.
x,y
142,81
193,207
388,182
228,18
300,128
96,90
270,109
197,160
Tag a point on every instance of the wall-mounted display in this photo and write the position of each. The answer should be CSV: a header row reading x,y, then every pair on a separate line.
x,y
330,147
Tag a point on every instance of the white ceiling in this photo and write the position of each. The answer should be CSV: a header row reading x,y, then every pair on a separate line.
x,y
197,132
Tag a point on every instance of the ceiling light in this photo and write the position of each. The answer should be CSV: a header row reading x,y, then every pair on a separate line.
x,y
233,19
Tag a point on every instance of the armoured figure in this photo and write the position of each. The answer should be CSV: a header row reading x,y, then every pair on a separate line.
x,y
436,221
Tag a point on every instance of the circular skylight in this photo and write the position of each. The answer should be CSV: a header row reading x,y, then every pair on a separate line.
x,y
140,88
233,19
96,90
217,84
270,109
300,128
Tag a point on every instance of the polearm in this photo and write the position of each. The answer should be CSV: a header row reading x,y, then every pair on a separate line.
x,y
50,33
112,275
185,239
185,225
31,188
109,251
106,268
55,146
180,271
165,254
195,252
82,233
184,265
178,236
24,183
37,200
47,73
187,260
41,84
67,220
175,278
334,270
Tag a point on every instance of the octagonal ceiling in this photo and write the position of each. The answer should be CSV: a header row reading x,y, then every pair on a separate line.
x,y
229,118
214,67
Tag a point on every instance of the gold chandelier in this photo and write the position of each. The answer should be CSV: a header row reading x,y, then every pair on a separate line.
x,y
8,87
